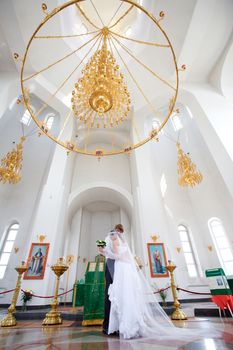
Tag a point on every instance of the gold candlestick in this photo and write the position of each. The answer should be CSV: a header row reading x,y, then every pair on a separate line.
x,y
177,313
53,316
69,260
10,320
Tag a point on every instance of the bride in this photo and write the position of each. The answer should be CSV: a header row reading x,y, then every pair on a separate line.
x,y
135,312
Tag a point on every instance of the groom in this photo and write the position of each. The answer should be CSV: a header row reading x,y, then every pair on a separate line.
x,y
109,273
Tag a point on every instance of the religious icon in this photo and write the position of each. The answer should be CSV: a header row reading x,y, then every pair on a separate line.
x,y
37,261
157,260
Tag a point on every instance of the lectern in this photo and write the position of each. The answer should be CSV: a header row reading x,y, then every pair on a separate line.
x,y
93,313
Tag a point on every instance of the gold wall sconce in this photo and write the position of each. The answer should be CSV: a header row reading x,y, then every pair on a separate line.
x,y
41,238
69,259
155,238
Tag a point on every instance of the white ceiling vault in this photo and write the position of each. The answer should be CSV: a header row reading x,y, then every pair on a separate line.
x,y
200,32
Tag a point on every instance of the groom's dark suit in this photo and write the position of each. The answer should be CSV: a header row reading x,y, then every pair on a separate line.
x,y
109,273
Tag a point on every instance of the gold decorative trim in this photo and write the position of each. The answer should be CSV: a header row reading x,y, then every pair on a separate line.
x,y
97,322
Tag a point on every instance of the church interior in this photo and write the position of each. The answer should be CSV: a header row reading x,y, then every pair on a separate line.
x,y
115,112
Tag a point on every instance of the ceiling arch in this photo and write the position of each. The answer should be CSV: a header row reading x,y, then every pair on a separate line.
x,y
100,191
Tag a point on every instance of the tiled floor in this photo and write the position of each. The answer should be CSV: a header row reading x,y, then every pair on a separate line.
x,y
31,336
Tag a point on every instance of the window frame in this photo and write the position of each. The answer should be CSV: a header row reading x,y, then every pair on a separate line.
x,y
193,251
217,248
156,125
177,125
163,185
30,117
4,242
46,119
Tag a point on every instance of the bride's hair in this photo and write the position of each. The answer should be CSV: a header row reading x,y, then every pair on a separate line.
x,y
119,227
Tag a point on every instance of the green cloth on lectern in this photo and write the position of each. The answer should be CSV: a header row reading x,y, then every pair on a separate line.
x,y
218,282
78,293
94,291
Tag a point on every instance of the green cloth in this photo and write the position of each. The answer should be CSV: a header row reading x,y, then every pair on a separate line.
x,y
218,282
78,294
94,291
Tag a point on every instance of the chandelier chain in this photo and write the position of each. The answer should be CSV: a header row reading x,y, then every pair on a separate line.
x,y
61,59
97,12
65,123
64,36
114,15
144,65
85,16
139,41
67,78
136,82
123,16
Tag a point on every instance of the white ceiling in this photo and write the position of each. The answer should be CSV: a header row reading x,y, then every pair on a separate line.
x,y
7,63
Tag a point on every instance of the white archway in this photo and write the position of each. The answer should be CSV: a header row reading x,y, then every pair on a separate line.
x,y
80,236
100,191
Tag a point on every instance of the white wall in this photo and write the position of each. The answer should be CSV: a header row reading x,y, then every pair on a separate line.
x,y
113,169
19,202
192,207
94,225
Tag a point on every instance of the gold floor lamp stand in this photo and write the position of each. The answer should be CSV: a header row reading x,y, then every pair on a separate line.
x,y
177,314
10,319
53,316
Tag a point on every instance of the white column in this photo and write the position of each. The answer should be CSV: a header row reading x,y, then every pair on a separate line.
x,y
48,221
73,241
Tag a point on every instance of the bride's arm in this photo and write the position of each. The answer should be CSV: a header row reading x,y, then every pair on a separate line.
x,y
111,253
115,245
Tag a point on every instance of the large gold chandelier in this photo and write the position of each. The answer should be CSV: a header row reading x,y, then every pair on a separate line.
x,y
11,164
101,97
187,170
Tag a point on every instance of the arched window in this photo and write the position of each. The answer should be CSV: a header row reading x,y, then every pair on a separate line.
x,y
163,185
6,247
49,121
176,122
188,251
156,125
222,245
26,118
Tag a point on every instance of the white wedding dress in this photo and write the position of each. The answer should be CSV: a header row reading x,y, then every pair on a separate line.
x,y
135,312
134,308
